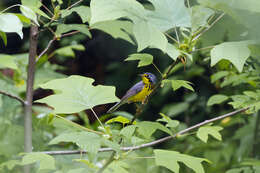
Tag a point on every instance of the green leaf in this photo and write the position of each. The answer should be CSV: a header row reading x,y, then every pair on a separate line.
x,y
172,51
176,84
147,128
170,159
87,162
200,16
11,23
128,131
82,11
117,166
78,170
10,164
7,61
218,76
34,5
236,52
84,140
170,123
169,14
27,12
216,99
69,50
76,93
240,170
117,29
149,36
144,59
174,109
63,28
118,119
111,144
205,131
4,37
46,161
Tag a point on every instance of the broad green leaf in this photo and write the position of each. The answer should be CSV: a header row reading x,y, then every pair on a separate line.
x,y
27,12
104,10
251,94
63,28
148,36
11,23
240,170
111,144
34,5
236,52
175,109
117,29
85,140
147,128
172,51
200,16
23,19
118,119
69,50
169,14
86,162
205,131
3,37
76,93
82,11
78,170
144,59
7,61
218,76
170,159
46,161
216,99
128,131
176,84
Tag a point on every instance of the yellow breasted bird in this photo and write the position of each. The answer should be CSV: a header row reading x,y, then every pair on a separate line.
x,y
139,92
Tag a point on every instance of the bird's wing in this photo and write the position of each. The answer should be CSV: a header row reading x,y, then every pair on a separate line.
x,y
133,90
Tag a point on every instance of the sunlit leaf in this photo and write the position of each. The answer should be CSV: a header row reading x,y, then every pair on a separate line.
x,y
176,84
205,131
7,61
63,28
117,166
128,131
27,12
170,159
82,11
118,119
216,99
11,23
10,164
69,50
3,37
172,51
236,52
200,16
144,59
147,128
85,140
170,123
46,161
76,93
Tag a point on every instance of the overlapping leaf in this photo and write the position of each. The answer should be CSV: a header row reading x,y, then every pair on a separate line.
x,y
76,93
144,59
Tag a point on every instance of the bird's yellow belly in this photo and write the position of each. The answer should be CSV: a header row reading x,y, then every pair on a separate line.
x,y
141,96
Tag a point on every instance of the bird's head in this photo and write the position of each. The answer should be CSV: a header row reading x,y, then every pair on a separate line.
x,y
149,78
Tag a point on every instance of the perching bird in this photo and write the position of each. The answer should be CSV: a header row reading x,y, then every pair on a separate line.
x,y
139,92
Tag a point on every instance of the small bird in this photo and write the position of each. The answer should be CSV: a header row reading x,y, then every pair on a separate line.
x,y
139,92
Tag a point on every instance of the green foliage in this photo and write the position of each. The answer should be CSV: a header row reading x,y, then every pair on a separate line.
x,y
119,119
85,140
144,59
205,131
236,52
27,12
11,23
46,161
7,61
68,51
216,99
170,159
76,93
63,28
82,11
176,84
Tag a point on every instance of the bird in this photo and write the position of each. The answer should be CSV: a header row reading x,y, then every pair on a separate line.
x,y
139,92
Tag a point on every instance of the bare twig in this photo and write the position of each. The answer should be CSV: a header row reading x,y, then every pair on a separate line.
x,y
150,144
205,30
76,3
46,49
13,96
29,92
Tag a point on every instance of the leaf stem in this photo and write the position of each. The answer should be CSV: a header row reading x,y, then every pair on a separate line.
x,y
74,4
97,117
170,37
15,5
14,97
157,69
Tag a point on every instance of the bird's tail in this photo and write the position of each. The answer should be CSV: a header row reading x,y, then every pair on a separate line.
x,y
115,107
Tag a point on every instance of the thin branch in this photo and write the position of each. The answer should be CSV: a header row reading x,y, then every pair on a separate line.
x,y
74,4
213,23
69,34
170,37
46,8
29,92
157,69
46,49
150,144
14,97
